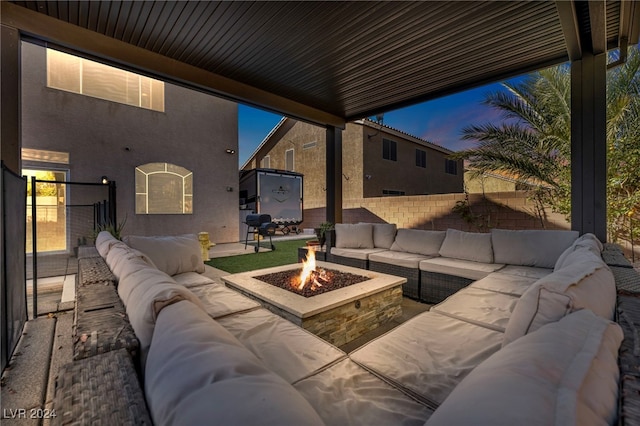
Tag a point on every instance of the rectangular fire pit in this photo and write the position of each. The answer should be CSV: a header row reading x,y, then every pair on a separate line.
x,y
338,316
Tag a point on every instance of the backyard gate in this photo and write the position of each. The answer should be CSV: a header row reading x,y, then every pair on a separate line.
x,y
12,252
60,217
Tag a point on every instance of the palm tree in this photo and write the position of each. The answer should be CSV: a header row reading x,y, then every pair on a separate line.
x,y
533,142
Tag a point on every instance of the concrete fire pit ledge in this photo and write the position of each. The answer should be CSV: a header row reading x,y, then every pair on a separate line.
x,y
337,316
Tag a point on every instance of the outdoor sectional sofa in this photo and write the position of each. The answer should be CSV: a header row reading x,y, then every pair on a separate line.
x,y
436,264
522,345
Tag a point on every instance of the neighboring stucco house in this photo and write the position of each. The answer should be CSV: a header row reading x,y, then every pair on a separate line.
x,y
377,161
170,150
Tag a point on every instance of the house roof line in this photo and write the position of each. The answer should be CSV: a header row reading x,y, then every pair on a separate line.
x,y
370,123
264,142
364,122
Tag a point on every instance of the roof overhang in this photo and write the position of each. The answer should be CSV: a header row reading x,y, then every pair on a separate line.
x,y
329,62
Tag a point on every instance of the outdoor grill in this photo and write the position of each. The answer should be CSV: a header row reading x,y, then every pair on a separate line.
x,y
262,225
255,220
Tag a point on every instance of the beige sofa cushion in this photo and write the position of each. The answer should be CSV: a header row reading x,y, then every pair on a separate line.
x,y
219,300
428,355
398,258
290,351
526,271
354,235
171,254
540,248
384,234
104,242
585,242
347,394
123,260
485,308
585,284
197,373
500,282
566,373
360,254
459,268
192,279
418,241
472,246
152,291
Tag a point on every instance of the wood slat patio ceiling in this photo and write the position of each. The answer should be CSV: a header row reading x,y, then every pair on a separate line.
x,y
349,59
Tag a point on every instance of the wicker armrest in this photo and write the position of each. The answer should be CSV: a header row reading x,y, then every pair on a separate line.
x,y
103,389
628,316
92,270
613,256
100,321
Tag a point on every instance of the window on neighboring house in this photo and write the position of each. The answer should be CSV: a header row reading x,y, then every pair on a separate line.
x,y
288,160
309,145
85,77
163,188
421,158
392,192
389,150
450,166
266,162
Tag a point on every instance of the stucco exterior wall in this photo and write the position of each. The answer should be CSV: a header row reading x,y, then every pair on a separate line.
x,y
403,174
310,151
364,172
111,139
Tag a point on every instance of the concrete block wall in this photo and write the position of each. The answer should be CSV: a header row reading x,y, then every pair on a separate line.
x,y
507,210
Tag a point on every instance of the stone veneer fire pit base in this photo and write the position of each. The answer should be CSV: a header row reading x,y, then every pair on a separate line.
x,y
339,316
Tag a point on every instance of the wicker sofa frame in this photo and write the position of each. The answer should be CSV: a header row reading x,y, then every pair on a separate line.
x,y
435,287
102,385
411,288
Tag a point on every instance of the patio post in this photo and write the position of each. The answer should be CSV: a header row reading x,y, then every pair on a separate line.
x,y
10,109
334,175
589,145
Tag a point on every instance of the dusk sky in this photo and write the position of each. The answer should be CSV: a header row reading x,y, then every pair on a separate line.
x,y
439,121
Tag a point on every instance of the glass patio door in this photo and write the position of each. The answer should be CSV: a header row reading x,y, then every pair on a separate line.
x,y
51,212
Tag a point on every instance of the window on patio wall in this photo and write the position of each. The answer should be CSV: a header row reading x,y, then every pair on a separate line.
x,y
78,75
163,188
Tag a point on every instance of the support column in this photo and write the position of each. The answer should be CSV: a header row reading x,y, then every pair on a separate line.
x,y
334,174
10,99
589,145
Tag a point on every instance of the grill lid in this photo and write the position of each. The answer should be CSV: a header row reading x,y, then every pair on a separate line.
x,y
258,219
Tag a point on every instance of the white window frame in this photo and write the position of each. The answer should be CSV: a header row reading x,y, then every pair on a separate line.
x,y
155,86
293,159
185,195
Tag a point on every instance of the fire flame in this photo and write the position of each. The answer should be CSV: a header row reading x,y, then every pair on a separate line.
x,y
308,267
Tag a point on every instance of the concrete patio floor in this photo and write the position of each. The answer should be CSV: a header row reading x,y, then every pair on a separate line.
x,y
28,382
